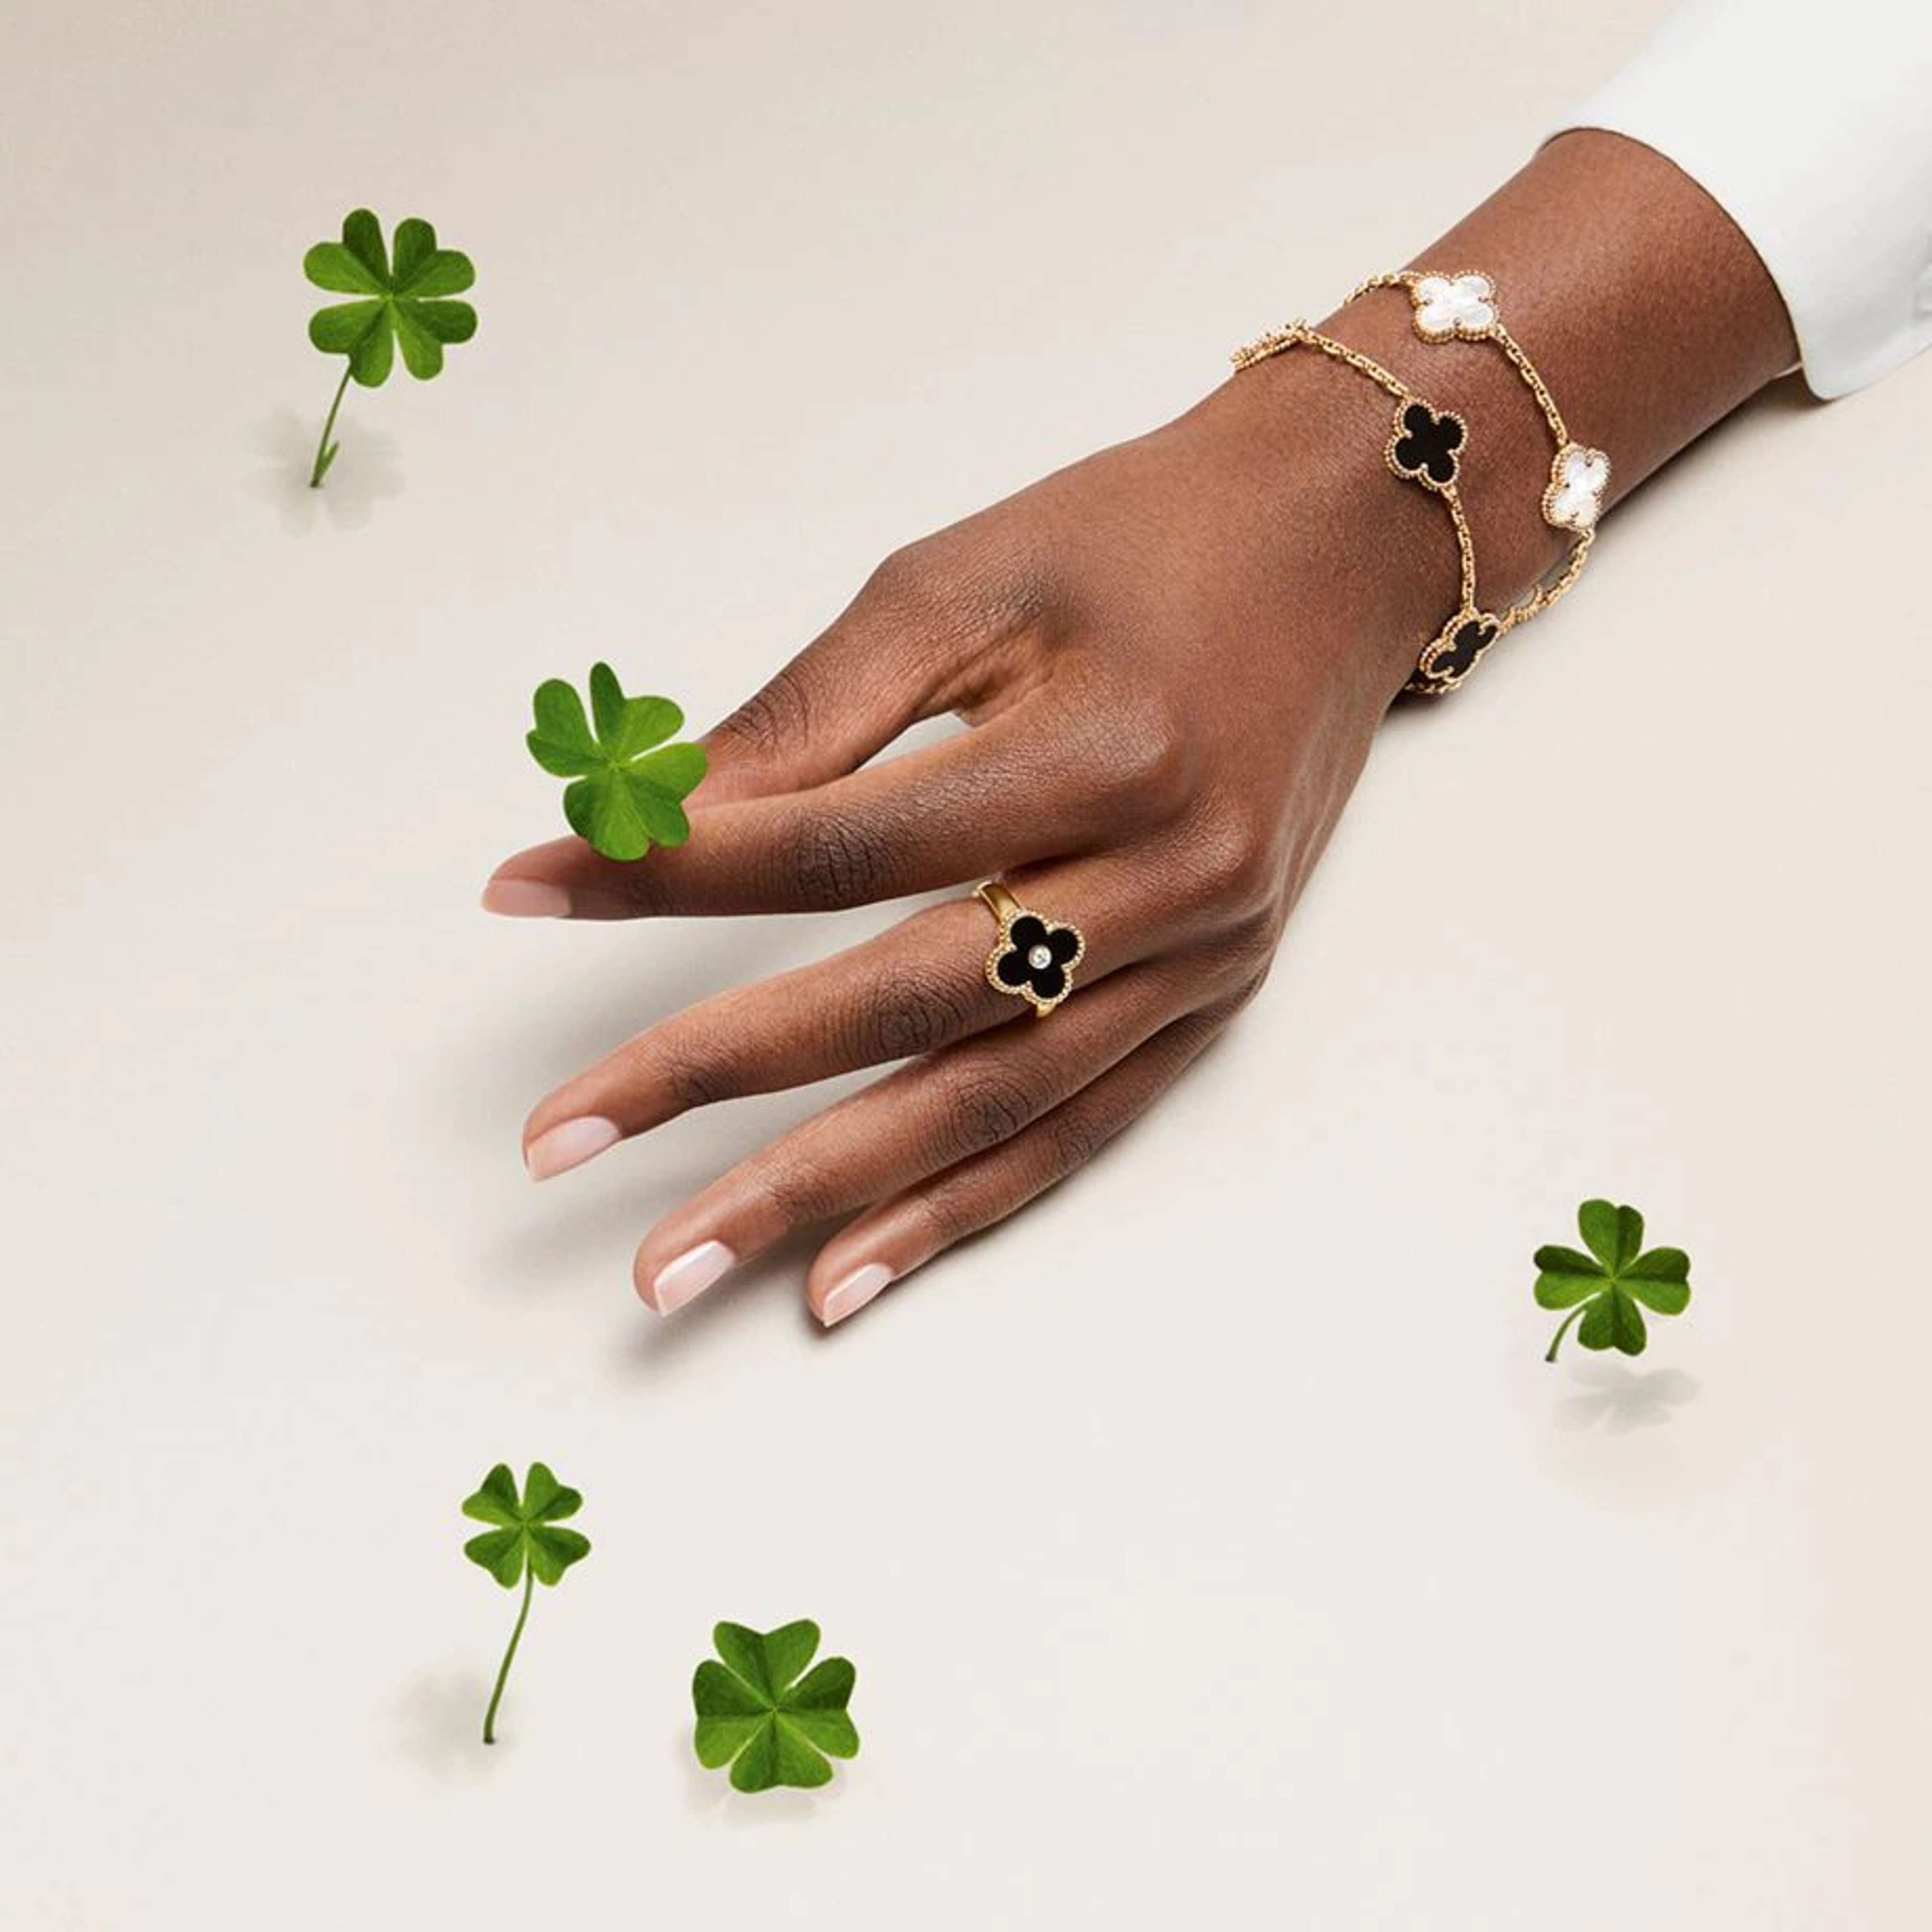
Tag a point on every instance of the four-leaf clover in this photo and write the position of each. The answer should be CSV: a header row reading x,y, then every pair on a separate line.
x,y
404,301
1447,305
1423,445
766,1710
1457,650
1035,960
762,1712
626,795
1603,1288
526,1544
1578,478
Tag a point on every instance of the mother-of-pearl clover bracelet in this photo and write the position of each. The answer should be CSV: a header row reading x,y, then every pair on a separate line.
x,y
1426,446
1463,307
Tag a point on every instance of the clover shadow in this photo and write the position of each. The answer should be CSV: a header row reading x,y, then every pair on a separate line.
x,y
1620,1400
710,1794
365,473
439,1723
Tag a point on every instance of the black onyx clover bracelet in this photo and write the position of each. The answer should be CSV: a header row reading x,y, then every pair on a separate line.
x,y
1426,446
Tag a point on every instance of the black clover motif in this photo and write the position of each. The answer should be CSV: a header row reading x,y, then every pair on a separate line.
x,y
1423,445
1036,961
1455,652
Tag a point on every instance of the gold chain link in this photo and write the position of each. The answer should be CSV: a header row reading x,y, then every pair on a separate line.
x,y
1405,279
1297,334
1546,592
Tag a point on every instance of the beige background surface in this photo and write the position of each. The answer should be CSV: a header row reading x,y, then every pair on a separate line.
x,y
1213,1544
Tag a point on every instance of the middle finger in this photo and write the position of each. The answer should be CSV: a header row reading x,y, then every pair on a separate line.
x,y
1005,794
919,985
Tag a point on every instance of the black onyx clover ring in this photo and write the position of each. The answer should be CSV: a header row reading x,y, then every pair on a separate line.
x,y
1035,958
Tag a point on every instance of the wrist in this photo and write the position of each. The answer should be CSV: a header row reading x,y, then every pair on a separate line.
x,y
1648,315
1504,465
1365,565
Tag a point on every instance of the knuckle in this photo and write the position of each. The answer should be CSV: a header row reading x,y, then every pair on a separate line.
x,y
1250,943
642,888
985,1107
1235,868
1074,1134
778,715
902,576
693,1075
911,1013
946,1209
1178,1046
1192,1040
800,1191
1150,756
829,859
960,584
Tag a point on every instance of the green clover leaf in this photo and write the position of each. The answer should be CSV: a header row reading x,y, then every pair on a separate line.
x,y
526,1546
403,300
762,1712
626,795
1602,1289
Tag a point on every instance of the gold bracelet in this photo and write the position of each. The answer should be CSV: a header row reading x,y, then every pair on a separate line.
x,y
1463,307
1427,445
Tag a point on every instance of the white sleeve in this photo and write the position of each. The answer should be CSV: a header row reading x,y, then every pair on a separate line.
x,y
1810,123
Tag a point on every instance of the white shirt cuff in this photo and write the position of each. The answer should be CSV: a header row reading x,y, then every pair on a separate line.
x,y
1810,124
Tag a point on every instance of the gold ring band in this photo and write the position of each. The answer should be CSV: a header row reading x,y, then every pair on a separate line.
x,y
1036,956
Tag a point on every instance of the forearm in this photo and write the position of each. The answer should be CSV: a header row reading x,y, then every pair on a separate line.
x,y
1647,312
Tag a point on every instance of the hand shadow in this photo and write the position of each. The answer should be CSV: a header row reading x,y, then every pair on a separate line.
x,y
1621,1399
515,1055
363,475
654,1345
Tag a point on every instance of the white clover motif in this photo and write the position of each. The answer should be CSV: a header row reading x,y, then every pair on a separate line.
x,y
1448,305
1578,478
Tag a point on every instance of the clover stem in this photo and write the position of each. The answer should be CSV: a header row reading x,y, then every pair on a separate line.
x,y
324,454
1565,1330
496,1696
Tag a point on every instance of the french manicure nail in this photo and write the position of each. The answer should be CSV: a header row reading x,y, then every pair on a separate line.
x,y
569,1144
526,898
854,1292
687,1277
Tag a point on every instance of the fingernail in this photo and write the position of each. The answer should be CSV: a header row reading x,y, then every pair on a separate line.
x,y
689,1275
526,898
569,1145
854,1292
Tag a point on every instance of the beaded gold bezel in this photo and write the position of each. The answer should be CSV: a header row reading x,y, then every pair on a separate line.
x,y
1456,331
1558,485
1398,431
1444,642
1552,589
1007,911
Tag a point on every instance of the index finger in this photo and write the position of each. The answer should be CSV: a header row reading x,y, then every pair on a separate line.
x,y
1001,795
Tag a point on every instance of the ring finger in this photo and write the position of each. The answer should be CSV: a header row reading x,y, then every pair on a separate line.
x,y
916,1122
917,987
888,1241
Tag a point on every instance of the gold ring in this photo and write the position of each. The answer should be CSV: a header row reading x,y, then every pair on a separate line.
x,y
1035,958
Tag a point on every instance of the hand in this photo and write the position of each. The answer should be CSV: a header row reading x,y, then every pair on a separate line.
x,y
1173,656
